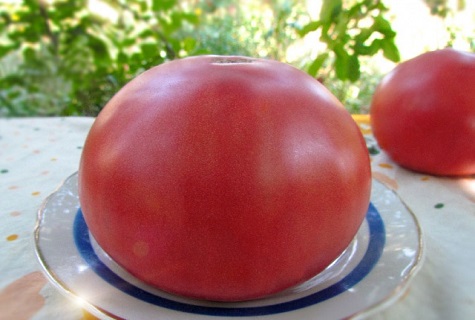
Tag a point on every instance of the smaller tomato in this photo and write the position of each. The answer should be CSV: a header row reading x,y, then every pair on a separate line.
x,y
423,113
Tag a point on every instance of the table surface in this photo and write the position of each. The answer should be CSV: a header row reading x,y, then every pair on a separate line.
x,y
37,154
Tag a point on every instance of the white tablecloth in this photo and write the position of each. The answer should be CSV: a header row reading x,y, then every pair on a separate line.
x,y
36,154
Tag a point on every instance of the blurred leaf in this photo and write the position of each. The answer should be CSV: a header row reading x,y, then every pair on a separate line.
x,y
330,9
365,50
29,54
311,26
390,50
363,35
190,17
317,64
353,68
5,49
143,5
341,27
375,46
162,5
382,25
175,44
189,44
176,21
149,50
99,50
122,58
145,34
341,63
66,9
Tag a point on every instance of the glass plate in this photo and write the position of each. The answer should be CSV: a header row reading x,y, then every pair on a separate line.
x,y
373,272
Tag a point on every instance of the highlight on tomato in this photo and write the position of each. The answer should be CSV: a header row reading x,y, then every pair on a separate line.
x,y
224,178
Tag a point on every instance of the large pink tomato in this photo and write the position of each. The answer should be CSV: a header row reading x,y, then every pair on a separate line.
x,y
423,113
224,178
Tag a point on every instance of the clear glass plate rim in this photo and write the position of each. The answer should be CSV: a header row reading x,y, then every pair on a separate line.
x,y
383,303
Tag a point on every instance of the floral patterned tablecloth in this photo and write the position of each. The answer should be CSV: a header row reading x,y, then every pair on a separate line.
x,y
36,154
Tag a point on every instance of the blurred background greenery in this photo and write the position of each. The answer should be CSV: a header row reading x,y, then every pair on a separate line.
x,y
68,57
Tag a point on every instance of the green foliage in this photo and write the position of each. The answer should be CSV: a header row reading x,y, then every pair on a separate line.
x,y
351,30
91,57
357,95
249,28
442,8
281,33
61,58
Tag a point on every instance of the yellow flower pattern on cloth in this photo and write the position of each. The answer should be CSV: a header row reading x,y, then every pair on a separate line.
x,y
36,154
381,168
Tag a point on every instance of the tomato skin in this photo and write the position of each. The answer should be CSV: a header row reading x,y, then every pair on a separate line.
x,y
224,178
423,113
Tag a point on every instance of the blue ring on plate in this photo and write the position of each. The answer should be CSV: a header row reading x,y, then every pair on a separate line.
x,y
372,255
